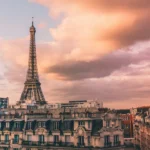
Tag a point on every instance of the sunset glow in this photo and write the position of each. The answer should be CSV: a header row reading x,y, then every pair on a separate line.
x,y
86,49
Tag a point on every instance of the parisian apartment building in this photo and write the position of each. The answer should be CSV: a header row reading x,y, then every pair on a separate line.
x,y
72,128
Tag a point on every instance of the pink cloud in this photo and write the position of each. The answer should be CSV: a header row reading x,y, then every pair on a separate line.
x,y
42,25
124,85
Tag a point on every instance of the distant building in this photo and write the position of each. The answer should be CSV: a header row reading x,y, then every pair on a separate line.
x,y
127,122
87,104
77,104
4,102
127,126
141,109
142,130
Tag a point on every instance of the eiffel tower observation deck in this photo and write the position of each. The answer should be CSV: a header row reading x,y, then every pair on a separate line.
x,y
32,86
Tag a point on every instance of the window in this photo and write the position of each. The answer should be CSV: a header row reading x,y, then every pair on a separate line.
x,y
107,140
7,124
41,138
29,137
17,125
89,124
39,124
89,140
56,138
6,137
89,115
16,139
81,123
107,123
116,139
66,125
43,124
67,138
29,125
81,140
126,126
56,125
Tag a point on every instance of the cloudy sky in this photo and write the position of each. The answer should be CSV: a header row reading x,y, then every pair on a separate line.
x,y
87,49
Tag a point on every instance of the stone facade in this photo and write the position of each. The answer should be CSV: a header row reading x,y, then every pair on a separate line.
x,y
71,128
142,131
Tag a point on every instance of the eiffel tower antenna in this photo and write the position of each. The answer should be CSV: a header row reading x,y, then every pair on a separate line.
x,y
32,85
32,21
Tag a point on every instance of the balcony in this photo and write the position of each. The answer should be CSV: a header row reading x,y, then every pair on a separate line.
x,y
80,144
117,143
39,143
108,144
15,141
67,144
5,142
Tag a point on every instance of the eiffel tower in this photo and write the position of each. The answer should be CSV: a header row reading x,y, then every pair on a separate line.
x,y
32,85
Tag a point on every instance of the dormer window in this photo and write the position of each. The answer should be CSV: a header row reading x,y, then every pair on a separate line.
x,y
89,124
29,125
41,124
17,125
56,125
81,123
66,125
7,124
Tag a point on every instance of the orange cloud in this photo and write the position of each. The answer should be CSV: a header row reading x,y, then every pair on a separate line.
x,y
94,28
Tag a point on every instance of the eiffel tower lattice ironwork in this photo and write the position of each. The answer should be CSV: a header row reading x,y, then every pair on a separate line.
x,y
32,86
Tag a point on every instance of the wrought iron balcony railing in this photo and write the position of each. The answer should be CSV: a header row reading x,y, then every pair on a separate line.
x,y
15,141
43,143
4,142
107,144
117,143
81,144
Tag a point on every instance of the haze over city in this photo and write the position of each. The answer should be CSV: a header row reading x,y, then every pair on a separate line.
x,y
86,49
